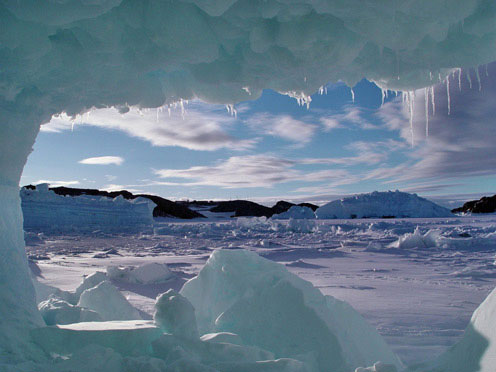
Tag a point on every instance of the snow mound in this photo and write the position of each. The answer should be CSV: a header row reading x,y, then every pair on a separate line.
x,y
295,212
148,273
108,302
268,307
44,209
382,204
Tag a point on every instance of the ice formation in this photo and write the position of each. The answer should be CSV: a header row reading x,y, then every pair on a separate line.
x,y
295,212
43,209
106,300
239,292
69,56
382,204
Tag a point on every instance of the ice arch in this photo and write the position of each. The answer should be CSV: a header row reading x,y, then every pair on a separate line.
x,y
70,55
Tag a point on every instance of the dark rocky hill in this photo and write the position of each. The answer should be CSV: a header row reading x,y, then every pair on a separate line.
x,y
486,204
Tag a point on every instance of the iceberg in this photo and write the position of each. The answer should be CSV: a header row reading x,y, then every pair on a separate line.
x,y
388,204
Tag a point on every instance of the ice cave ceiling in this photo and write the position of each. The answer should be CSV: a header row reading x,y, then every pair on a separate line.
x,y
72,55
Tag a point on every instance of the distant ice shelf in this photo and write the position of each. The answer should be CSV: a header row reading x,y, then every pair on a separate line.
x,y
43,209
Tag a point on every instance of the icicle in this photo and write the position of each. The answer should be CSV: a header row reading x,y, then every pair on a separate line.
x,y
157,115
439,77
231,110
352,95
426,100
469,79
410,102
430,75
460,79
478,78
169,110
383,94
487,74
433,101
448,94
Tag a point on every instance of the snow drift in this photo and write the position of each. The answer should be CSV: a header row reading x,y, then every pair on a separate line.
x,y
43,209
382,204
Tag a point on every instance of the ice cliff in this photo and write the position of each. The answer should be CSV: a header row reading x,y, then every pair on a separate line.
x,y
43,209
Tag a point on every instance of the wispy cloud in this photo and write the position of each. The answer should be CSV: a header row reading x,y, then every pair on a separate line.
x,y
249,171
54,183
102,160
200,128
283,126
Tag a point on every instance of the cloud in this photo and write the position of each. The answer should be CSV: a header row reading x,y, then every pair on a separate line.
x,y
103,160
352,115
459,144
283,126
200,128
53,183
248,171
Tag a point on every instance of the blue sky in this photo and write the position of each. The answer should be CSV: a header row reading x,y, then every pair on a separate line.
x,y
275,149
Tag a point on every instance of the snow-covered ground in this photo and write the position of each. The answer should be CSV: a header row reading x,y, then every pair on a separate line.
x,y
416,280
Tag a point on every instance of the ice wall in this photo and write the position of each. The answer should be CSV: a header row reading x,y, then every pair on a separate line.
x,y
43,209
18,311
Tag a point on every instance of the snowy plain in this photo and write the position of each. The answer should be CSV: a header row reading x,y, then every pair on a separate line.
x,y
417,281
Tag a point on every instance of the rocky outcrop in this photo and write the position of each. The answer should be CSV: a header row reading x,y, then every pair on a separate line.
x,y
486,204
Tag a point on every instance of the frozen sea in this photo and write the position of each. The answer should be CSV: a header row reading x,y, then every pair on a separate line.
x,y
419,294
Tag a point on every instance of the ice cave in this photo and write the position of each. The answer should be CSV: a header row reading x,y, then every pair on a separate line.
x,y
70,56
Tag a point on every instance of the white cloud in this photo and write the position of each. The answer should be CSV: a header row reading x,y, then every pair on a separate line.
x,y
249,171
103,160
459,145
53,183
200,128
283,126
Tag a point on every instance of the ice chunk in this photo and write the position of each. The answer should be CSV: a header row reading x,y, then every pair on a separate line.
x,y
238,291
108,302
418,240
57,311
175,315
382,204
148,273
296,212
89,282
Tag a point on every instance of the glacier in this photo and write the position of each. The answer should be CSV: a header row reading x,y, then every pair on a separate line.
x,y
69,56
